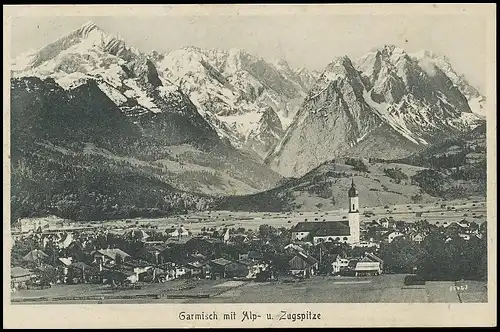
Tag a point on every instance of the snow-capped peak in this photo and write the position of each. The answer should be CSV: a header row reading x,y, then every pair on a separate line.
x,y
390,49
87,27
301,70
283,65
337,67
441,58
429,61
88,41
192,48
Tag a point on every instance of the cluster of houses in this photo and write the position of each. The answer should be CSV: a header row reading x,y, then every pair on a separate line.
x,y
386,230
87,255
371,234
81,259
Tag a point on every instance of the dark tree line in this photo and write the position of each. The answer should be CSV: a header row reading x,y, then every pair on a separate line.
x,y
358,164
440,256
396,173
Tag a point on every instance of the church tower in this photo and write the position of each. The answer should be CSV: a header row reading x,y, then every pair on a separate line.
x,y
354,213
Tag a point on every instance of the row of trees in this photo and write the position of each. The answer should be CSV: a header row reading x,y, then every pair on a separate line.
x,y
439,184
437,258
431,181
358,164
396,173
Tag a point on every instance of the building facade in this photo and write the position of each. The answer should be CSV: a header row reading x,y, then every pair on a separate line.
x,y
333,231
354,214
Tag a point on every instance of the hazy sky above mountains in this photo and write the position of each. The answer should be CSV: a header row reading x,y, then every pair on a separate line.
x,y
304,41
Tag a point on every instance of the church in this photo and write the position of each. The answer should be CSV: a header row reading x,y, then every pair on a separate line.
x,y
346,231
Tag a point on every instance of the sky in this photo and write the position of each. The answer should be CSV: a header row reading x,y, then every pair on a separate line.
x,y
303,41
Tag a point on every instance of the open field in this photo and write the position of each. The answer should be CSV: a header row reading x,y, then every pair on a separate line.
x,y
320,289
380,289
471,210
101,291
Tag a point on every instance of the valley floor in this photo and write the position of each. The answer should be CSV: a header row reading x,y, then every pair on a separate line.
x,y
387,288
439,212
319,289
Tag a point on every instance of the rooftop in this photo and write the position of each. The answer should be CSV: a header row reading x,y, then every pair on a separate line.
x,y
309,259
221,261
371,257
17,272
35,255
324,228
111,253
247,262
195,264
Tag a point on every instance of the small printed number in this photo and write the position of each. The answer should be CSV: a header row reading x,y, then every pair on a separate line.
x,y
458,288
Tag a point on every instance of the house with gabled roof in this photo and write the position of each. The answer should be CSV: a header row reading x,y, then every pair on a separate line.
x,y
254,266
371,257
137,234
373,224
361,268
455,227
119,275
109,256
154,253
239,238
388,222
219,267
391,235
338,263
178,232
294,247
196,269
416,236
84,272
237,270
68,240
251,255
36,256
303,265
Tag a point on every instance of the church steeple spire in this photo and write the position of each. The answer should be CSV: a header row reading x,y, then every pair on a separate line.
x,y
353,192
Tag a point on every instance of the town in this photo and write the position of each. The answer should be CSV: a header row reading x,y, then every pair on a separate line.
x,y
52,258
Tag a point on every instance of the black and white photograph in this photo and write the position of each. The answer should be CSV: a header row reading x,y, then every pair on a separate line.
x,y
232,159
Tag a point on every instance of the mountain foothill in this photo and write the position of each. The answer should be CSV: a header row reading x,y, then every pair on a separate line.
x,y
102,130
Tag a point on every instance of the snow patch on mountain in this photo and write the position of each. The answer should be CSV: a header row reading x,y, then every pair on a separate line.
x,y
136,93
113,94
429,61
244,123
387,104
394,121
232,88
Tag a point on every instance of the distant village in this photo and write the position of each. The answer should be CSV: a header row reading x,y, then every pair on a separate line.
x,y
48,251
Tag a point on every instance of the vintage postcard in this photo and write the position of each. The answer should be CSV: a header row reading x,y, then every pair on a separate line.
x,y
249,166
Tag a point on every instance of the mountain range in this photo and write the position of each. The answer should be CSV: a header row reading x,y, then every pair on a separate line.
x,y
97,122
387,104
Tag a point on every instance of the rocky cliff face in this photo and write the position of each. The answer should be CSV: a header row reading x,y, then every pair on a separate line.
x,y
477,101
268,131
385,105
233,89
